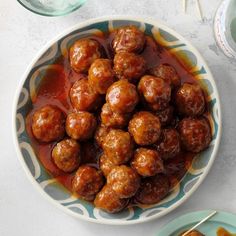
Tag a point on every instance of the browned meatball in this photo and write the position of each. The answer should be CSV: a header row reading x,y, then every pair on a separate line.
x,y
118,146
87,181
83,53
66,155
128,39
190,100
112,119
122,97
124,181
81,125
101,75
147,162
165,116
101,134
193,233
153,189
106,165
155,91
195,134
108,200
170,144
145,128
129,66
167,73
83,97
48,124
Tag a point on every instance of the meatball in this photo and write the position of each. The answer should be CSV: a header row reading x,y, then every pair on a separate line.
x,y
193,233
101,75
167,73
195,134
83,97
155,91
106,165
128,39
100,135
147,162
66,155
80,125
124,181
87,182
118,146
165,116
190,100
108,200
83,53
122,97
153,189
129,66
145,128
48,124
112,119
170,144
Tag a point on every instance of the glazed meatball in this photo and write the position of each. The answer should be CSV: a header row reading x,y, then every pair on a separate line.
x,y
108,200
100,134
124,181
153,189
195,134
48,124
155,91
128,39
83,53
129,66
118,146
193,233
170,144
83,97
122,97
145,128
87,182
112,119
147,162
66,155
81,125
101,75
167,73
165,116
106,165
190,100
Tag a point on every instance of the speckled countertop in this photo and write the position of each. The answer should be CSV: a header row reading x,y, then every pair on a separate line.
x,y
23,211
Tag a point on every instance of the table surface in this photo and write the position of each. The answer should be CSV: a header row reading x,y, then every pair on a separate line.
x,y
23,211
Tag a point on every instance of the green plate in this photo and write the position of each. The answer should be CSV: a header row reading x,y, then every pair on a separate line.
x,y
209,228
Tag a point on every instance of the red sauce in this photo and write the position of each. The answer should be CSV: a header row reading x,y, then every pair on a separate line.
x,y
54,90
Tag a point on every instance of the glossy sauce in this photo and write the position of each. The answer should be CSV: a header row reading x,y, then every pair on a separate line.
x,y
223,232
54,90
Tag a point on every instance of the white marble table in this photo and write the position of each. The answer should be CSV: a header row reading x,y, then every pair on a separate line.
x,y
23,211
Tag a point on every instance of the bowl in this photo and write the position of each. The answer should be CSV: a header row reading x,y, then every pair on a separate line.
x,y
49,187
52,7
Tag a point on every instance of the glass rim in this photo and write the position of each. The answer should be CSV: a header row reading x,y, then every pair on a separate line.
x,y
60,13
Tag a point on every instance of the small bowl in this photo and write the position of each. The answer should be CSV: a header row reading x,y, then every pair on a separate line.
x,y
52,7
49,187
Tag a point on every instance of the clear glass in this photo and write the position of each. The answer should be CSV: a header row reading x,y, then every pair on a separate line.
x,y
52,7
225,27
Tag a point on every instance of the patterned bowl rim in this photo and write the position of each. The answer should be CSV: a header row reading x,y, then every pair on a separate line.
x,y
84,24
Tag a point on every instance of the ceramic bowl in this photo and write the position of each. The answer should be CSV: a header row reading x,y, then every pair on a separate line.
x,y
50,188
52,7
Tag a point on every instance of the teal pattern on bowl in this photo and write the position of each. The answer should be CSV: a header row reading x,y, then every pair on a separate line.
x,y
49,186
52,7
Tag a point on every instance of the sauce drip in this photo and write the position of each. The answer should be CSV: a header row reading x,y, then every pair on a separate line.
x,y
223,232
54,89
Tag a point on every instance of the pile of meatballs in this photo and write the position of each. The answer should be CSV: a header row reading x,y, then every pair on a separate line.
x,y
139,117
